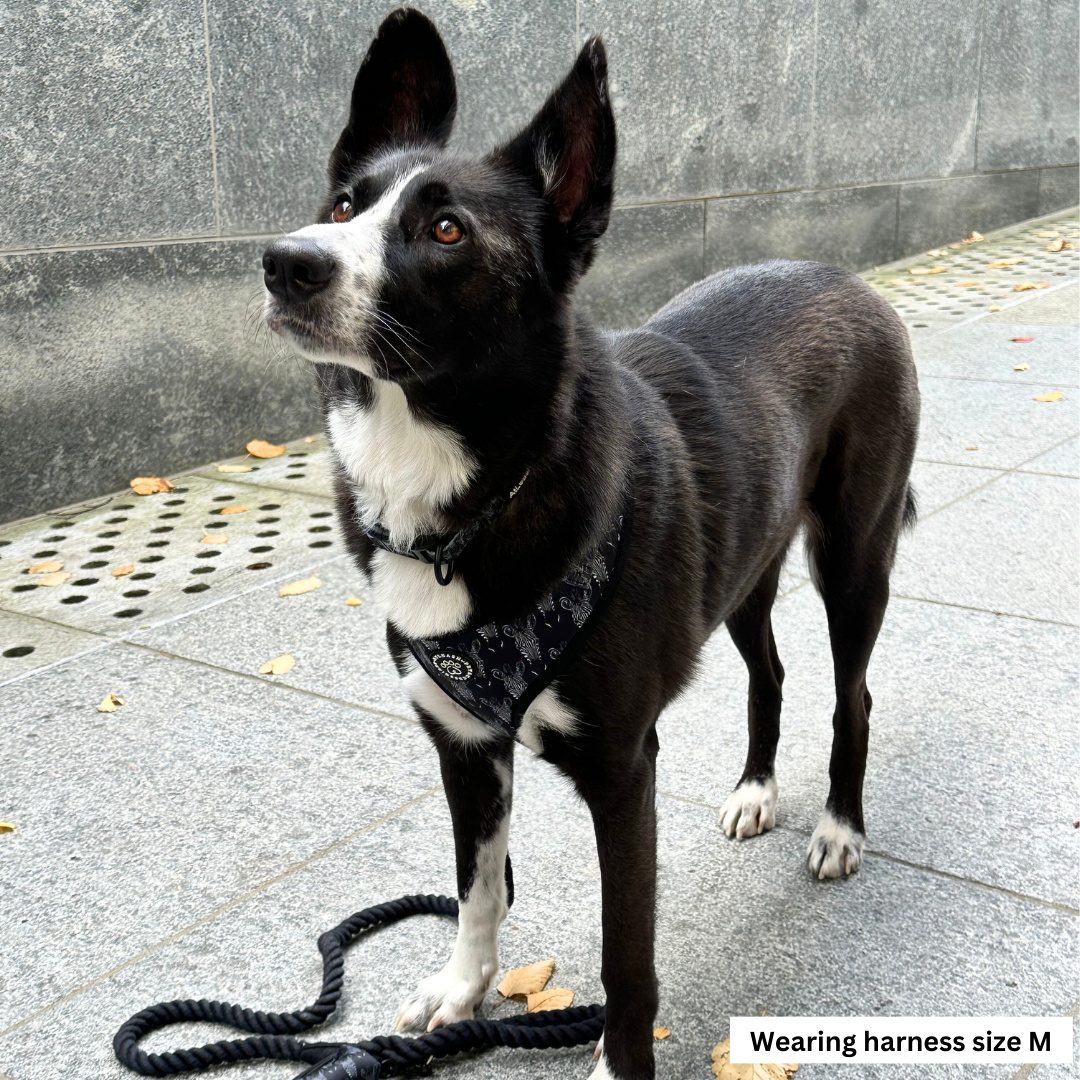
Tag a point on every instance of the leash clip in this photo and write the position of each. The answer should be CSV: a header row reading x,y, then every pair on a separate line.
x,y
440,577
347,1063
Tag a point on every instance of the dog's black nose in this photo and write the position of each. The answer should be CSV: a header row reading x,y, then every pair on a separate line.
x,y
297,269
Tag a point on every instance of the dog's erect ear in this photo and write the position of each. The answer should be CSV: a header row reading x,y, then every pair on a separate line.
x,y
404,92
568,152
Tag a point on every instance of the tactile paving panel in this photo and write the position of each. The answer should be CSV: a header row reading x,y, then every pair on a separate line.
x,y
969,285
160,535
305,467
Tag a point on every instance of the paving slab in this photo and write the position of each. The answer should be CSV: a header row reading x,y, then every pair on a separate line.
x,y
741,927
306,466
936,485
1004,423
28,644
132,824
1063,460
1056,308
972,740
161,536
1008,547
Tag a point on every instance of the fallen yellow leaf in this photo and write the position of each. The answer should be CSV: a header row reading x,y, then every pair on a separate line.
x,y
353,601
110,702
1054,395
972,237
296,588
927,269
150,485
723,1069
54,579
1048,234
935,253
1002,263
954,245
214,538
558,997
262,449
234,468
123,571
311,438
993,307
1021,367
660,1033
1059,245
971,448
1024,286
46,567
6,826
279,665
235,509
531,979
966,284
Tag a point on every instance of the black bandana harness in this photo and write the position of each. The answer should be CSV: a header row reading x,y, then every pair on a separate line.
x,y
497,671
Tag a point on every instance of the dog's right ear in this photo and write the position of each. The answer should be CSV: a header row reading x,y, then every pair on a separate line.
x,y
404,93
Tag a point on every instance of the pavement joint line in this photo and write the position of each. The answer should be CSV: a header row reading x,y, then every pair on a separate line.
x,y
263,681
126,638
999,382
994,479
895,859
985,611
318,494
995,468
371,826
1026,1070
1006,307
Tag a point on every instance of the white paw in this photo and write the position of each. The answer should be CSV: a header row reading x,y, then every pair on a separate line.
x,y
445,998
750,809
835,848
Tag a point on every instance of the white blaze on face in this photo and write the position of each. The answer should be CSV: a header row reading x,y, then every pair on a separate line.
x,y
359,250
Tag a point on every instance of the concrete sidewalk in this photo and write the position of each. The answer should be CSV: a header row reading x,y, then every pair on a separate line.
x,y
196,841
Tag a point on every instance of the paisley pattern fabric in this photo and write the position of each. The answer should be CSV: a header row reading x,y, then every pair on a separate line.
x,y
496,671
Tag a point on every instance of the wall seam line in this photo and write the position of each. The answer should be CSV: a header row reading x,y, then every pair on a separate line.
x,y
979,83
210,104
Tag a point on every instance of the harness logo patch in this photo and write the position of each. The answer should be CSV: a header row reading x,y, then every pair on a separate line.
x,y
452,665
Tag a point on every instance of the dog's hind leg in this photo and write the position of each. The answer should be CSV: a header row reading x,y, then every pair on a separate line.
x,y
478,782
751,808
851,550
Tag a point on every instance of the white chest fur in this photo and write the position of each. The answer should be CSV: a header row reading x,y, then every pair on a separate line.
x,y
403,469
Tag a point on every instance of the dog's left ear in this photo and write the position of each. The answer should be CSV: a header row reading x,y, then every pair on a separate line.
x,y
404,92
568,153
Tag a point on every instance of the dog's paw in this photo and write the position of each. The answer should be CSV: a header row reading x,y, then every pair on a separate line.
x,y
445,998
602,1072
835,848
750,809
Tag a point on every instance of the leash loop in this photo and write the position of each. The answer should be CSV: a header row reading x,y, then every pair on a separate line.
x,y
383,1056
440,577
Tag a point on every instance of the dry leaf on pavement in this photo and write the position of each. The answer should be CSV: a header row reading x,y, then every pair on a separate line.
x,y
1054,395
1024,286
262,449
1021,367
296,588
150,485
234,468
50,567
1002,263
531,979
110,702
558,997
235,509
311,438
1048,234
660,1033
1059,245
279,665
966,448
722,1068
1023,337
993,307
353,601
973,237
6,826
967,284
214,538
927,269
54,579
123,571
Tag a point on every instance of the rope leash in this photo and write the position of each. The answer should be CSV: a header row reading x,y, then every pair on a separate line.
x,y
383,1056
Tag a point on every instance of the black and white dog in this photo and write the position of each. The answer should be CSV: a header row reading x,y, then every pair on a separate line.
x,y
511,479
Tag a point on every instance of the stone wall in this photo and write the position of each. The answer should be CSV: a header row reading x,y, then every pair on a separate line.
x,y
150,149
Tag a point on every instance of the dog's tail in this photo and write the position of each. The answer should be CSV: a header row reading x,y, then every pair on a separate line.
x,y
911,508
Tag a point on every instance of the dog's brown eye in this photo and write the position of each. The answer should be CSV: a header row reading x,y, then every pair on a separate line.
x,y
343,211
447,231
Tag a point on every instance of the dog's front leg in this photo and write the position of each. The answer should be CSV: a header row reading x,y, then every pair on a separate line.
x,y
623,807
478,780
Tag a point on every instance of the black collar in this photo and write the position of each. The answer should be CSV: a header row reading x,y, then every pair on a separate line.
x,y
439,550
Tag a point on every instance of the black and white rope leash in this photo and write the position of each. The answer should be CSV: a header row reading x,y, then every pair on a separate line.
x,y
384,1056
